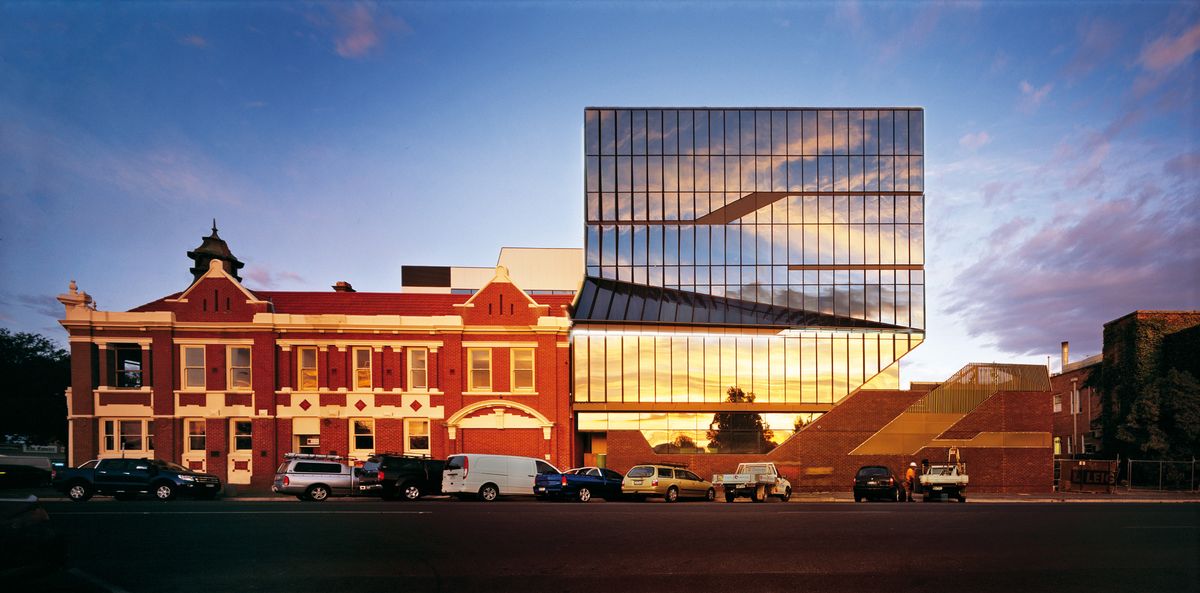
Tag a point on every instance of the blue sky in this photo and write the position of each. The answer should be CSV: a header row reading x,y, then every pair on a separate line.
x,y
341,141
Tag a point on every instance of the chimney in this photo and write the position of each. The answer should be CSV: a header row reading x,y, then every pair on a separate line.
x,y
343,286
1066,348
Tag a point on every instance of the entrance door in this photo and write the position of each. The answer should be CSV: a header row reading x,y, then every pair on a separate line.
x,y
241,449
195,445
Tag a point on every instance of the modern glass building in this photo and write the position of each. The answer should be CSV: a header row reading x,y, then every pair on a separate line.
x,y
778,251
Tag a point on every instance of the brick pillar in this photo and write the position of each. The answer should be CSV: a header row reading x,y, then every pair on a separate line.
x,y
286,374
102,362
146,374
377,367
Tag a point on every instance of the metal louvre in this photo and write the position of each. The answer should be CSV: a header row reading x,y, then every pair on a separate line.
x,y
602,300
976,382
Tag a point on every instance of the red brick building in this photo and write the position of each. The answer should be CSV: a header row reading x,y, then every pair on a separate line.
x,y
1076,407
226,379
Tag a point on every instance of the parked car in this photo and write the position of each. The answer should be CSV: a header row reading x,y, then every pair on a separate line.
x,y
490,476
24,471
876,482
581,483
401,476
668,481
124,479
316,477
755,481
32,547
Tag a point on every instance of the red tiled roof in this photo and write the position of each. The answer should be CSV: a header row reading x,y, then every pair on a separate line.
x,y
366,303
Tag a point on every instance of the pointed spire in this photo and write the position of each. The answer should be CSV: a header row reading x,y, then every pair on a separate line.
x,y
214,227
213,247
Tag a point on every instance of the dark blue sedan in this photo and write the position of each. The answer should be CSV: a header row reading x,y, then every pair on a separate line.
x,y
581,483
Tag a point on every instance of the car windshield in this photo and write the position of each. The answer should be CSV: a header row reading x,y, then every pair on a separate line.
x,y
641,471
872,472
942,470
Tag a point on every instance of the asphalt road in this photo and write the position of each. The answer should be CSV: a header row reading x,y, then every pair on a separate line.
x,y
443,545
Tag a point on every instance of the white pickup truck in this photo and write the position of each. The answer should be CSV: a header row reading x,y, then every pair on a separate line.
x,y
944,480
756,481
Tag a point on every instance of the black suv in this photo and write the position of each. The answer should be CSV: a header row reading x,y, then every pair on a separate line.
x,y
403,476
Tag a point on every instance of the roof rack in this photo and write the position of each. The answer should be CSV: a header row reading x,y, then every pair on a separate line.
x,y
666,463
318,457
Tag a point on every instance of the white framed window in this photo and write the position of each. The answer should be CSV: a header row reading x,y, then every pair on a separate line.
x,y
522,369
193,367
119,435
480,376
306,368
416,436
363,434
418,369
362,368
241,435
239,368
194,435
1057,403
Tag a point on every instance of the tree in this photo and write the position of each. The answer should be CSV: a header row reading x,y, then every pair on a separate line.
x,y
739,432
36,374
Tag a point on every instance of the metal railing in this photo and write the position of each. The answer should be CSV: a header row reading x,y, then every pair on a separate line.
x,y
1149,474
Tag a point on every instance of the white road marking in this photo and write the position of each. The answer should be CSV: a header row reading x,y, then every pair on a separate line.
x,y
61,513
1162,527
97,581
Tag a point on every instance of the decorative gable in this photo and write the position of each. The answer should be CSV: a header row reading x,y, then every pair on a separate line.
x,y
216,296
500,302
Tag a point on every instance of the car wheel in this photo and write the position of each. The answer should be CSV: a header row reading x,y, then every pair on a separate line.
x,y
672,494
730,496
164,491
79,492
412,492
962,498
489,492
711,495
584,495
317,492
787,495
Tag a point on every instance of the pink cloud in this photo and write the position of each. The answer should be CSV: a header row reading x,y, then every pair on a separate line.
x,y
1167,52
262,277
1097,40
1033,96
974,140
194,41
359,28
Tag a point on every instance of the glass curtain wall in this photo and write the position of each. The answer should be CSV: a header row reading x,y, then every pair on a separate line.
x,y
820,210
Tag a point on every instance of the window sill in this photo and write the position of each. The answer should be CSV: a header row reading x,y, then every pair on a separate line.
x,y
485,393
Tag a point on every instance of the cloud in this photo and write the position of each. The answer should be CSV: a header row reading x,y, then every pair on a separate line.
x,y
1039,284
1097,41
262,277
40,304
254,104
1185,166
1167,52
1033,96
194,41
1161,57
975,140
358,29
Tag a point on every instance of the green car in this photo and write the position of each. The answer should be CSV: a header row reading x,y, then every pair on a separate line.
x,y
671,482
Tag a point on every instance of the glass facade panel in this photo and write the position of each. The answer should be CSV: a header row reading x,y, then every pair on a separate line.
x,y
812,211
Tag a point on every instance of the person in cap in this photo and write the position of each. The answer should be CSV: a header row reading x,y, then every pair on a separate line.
x,y
910,480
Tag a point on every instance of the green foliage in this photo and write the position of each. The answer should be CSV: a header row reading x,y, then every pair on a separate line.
x,y
1149,410
36,374
740,432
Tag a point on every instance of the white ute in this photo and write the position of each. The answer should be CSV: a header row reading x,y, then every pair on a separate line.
x,y
756,481
945,480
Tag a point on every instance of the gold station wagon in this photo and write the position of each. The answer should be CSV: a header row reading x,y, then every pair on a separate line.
x,y
671,482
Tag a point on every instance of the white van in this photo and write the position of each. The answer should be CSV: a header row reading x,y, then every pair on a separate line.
x,y
491,476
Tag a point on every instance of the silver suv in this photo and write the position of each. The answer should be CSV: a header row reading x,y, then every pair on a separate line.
x,y
315,477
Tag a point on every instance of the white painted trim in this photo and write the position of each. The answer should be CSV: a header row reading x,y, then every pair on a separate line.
x,y
207,341
502,344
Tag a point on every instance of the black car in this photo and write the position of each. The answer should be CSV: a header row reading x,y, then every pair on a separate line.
x,y
125,479
876,482
402,476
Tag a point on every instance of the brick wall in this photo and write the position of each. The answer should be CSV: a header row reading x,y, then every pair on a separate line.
x,y
527,442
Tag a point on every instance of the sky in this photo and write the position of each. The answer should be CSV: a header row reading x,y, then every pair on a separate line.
x,y
340,141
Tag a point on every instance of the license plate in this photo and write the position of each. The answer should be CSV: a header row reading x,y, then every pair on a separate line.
x,y
872,483
541,489
637,482
937,487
